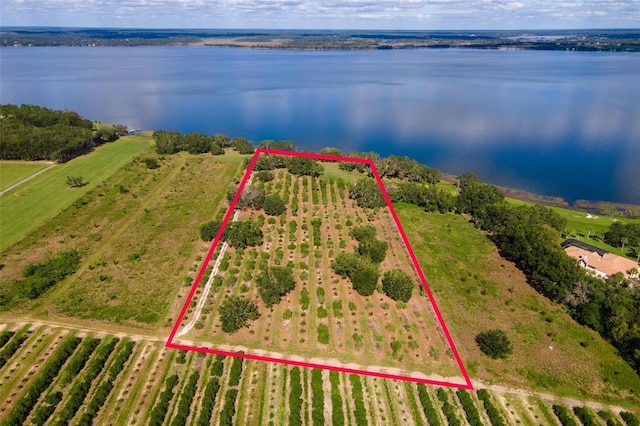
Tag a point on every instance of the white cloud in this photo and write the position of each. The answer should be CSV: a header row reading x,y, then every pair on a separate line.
x,y
414,14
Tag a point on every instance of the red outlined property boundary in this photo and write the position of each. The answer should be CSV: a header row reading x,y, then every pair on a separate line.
x,y
214,245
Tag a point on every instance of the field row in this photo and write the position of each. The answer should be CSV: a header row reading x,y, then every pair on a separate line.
x,y
324,316
58,376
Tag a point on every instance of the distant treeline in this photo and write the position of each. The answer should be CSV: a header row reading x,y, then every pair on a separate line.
x,y
198,143
613,40
29,132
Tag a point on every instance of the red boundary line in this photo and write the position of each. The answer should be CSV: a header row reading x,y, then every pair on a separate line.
x,y
214,245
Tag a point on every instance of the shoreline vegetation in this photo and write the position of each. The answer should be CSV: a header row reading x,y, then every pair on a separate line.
x,y
601,40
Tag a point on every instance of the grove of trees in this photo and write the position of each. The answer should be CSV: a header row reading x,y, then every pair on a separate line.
x,y
362,268
171,142
367,194
29,132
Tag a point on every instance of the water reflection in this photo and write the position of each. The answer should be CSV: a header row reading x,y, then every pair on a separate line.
x,y
560,123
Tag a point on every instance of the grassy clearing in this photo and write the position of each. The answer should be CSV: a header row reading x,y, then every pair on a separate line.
x,y
333,171
588,227
32,204
13,172
478,290
138,234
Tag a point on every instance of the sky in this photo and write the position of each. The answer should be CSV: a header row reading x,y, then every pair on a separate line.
x,y
324,14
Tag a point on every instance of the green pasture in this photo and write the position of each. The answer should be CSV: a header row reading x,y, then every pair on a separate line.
x,y
31,204
12,173
478,290
333,171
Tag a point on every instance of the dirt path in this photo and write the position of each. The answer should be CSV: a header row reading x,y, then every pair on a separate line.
x,y
207,288
15,185
573,402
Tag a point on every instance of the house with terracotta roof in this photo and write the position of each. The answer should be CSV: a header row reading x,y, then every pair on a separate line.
x,y
600,262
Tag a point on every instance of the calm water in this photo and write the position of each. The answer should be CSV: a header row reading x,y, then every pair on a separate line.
x,y
558,123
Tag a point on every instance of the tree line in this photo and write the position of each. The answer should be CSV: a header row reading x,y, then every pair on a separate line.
x,y
171,142
29,132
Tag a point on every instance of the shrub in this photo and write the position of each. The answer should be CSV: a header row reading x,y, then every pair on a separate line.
x,y
317,402
317,235
398,285
273,205
304,299
494,343
375,250
367,194
209,230
151,163
629,418
427,406
11,348
362,273
274,283
218,366
159,412
242,234
295,398
208,402
304,166
361,233
323,334
337,415
337,308
365,277
360,413
564,415
494,415
229,409
236,371
585,416
469,408
265,176
76,182
235,313
216,149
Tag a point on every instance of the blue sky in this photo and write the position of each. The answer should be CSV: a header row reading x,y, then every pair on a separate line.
x,y
329,14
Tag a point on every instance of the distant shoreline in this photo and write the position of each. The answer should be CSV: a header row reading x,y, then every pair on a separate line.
x,y
601,40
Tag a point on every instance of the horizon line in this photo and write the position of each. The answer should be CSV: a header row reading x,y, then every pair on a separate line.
x,y
3,27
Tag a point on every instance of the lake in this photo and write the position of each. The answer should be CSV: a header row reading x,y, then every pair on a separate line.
x,y
557,123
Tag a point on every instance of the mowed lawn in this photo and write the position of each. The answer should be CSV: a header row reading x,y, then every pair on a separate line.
x,y
31,204
13,172
478,290
585,227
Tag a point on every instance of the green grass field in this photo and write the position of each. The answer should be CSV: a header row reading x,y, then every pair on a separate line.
x,y
588,227
13,172
333,171
31,204
138,235
477,290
